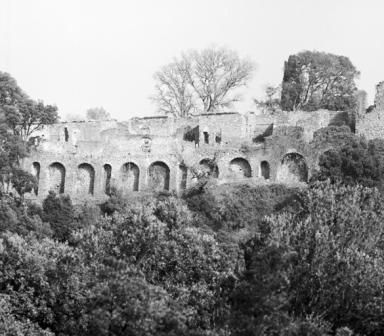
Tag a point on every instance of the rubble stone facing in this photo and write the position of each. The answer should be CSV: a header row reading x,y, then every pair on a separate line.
x,y
371,124
85,159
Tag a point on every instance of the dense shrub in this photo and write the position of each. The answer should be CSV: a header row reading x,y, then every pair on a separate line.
x,y
58,211
146,270
330,263
310,262
357,162
236,206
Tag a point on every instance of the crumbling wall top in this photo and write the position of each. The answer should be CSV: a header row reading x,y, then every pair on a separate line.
x,y
379,97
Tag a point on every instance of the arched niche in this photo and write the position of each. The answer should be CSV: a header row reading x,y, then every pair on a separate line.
x,y
293,168
56,177
240,168
36,174
158,176
265,170
107,175
130,174
209,167
183,176
85,181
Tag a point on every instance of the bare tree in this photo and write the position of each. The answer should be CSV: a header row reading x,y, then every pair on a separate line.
x,y
271,104
201,81
173,93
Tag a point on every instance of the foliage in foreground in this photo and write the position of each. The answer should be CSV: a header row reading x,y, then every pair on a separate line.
x,y
314,266
357,162
326,265
146,271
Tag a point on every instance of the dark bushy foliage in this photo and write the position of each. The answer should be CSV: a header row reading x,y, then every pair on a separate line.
x,y
232,207
309,262
337,269
58,211
357,162
317,80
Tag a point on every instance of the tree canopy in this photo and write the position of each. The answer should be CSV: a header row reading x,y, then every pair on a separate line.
x,y
317,80
357,162
97,113
201,81
20,116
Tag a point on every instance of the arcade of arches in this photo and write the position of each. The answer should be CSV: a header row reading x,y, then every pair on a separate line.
x,y
157,176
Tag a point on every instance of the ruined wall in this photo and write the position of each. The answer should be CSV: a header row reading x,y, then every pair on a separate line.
x,y
371,125
379,97
308,121
87,159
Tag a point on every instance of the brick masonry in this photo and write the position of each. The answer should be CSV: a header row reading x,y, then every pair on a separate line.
x,y
85,159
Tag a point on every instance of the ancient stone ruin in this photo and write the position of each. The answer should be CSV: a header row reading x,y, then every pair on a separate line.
x,y
87,159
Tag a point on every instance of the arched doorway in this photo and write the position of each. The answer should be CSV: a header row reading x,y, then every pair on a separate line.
x,y
85,181
36,174
183,176
293,168
265,170
158,176
209,167
130,174
240,168
56,177
107,175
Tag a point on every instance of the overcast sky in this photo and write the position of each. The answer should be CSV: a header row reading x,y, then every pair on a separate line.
x,y
85,53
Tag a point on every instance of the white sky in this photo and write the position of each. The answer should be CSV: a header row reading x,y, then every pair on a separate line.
x,y
87,53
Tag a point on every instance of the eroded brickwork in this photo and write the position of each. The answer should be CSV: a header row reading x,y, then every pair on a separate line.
x,y
87,159
371,124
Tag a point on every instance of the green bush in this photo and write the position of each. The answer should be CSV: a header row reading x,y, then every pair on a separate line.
x,y
339,265
59,213
236,206
357,162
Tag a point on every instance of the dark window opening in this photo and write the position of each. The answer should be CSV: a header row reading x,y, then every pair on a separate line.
x,y
184,175
107,179
206,137
218,139
36,173
66,135
265,170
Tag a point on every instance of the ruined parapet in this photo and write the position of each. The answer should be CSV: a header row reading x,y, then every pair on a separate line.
x,y
379,97
371,124
361,98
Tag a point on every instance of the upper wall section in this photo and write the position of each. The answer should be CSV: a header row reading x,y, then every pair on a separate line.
x,y
371,125
219,129
309,121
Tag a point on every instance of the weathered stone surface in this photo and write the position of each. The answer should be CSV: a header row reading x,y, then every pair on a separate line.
x,y
371,124
85,159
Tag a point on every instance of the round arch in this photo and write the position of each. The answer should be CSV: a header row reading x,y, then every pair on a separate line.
x,y
265,170
240,168
36,174
210,167
293,168
130,174
56,177
158,176
107,176
85,179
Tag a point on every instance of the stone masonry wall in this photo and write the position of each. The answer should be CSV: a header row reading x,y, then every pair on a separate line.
x,y
85,159
371,124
